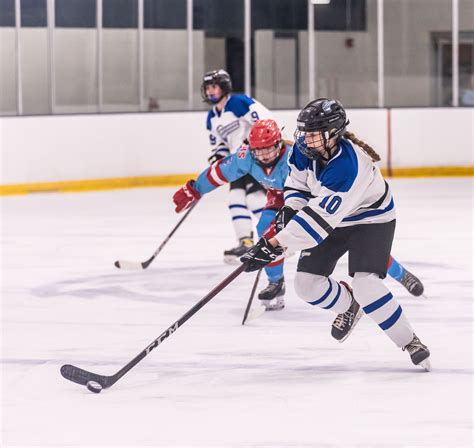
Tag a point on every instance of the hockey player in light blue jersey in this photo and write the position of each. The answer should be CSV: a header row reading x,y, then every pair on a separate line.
x,y
228,122
336,201
265,159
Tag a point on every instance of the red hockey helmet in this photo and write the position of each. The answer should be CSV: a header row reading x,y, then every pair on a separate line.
x,y
264,133
265,142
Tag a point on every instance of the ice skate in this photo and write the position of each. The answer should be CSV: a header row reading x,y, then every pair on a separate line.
x,y
272,296
419,353
412,283
344,323
232,256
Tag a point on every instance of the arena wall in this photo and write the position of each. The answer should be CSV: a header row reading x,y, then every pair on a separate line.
x,y
79,152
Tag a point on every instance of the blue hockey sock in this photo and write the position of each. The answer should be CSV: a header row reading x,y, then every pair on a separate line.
x,y
274,273
395,269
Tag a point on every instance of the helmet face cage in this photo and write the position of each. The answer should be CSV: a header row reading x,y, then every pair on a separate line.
x,y
270,154
220,78
313,144
318,123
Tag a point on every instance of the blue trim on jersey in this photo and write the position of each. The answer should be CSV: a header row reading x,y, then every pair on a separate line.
x,y
341,171
299,160
370,213
316,236
377,304
335,299
237,206
385,325
240,217
210,116
324,297
239,105
296,195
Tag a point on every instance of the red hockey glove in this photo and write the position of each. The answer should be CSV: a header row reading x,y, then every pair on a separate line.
x,y
186,196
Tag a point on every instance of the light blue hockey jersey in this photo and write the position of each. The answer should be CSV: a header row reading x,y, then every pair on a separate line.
x,y
349,190
237,165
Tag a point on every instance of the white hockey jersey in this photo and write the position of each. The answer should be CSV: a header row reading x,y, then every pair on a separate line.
x,y
230,127
348,191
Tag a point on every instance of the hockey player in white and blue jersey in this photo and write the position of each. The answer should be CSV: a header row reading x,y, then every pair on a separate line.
x,y
265,159
228,123
336,201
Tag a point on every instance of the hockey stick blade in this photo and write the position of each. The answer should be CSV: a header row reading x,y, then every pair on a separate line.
x,y
255,313
81,376
84,378
130,265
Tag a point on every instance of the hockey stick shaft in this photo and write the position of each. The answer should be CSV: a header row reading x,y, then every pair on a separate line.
x,y
145,264
176,227
252,294
81,376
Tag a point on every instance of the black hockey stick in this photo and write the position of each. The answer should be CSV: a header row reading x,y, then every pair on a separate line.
x,y
122,264
96,383
252,294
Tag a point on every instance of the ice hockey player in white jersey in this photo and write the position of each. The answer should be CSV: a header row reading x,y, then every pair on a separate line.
x,y
229,122
336,201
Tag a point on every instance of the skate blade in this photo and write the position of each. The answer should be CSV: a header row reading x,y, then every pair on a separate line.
x,y
356,320
426,364
275,306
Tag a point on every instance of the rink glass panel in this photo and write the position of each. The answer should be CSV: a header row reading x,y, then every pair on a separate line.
x,y
8,78
346,55
165,55
120,76
417,48
75,55
410,78
218,42
278,59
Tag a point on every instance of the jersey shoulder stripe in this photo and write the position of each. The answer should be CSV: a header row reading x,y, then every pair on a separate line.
x,y
299,160
239,105
341,171
210,116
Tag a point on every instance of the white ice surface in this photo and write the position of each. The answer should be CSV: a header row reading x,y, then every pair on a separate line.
x,y
280,381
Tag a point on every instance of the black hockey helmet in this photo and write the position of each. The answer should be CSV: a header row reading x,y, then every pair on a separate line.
x,y
318,122
219,77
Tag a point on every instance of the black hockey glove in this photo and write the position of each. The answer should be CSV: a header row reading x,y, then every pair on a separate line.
x,y
283,217
260,255
218,154
215,157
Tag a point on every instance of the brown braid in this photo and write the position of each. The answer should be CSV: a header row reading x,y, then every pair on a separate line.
x,y
367,149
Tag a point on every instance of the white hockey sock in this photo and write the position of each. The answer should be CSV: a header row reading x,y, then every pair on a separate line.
x,y
379,304
324,292
256,202
240,214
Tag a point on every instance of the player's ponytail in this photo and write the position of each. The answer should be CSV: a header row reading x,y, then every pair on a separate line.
x,y
367,148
